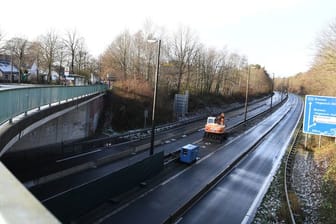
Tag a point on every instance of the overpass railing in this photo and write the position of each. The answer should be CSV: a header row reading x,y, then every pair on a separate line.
x,y
14,102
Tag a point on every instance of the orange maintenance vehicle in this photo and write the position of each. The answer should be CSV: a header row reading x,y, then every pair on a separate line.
x,y
214,130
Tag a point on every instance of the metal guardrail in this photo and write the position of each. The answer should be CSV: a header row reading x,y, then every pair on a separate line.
x,y
288,172
21,100
135,135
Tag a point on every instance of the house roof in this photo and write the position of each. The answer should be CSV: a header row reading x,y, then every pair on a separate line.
x,y
7,68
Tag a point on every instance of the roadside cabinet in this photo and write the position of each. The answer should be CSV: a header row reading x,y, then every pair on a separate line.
x,y
189,153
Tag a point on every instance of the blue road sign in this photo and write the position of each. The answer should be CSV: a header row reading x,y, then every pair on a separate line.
x,y
320,115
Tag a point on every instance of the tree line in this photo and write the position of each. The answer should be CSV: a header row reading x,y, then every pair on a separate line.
x,y
185,62
49,52
320,78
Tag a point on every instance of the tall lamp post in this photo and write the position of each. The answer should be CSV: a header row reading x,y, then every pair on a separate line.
x,y
247,90
151,152
272,91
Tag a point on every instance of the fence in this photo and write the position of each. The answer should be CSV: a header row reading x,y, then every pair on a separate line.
x,y
14,102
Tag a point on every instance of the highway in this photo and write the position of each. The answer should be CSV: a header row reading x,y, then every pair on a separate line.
x,y
48,190
235,198
172,139
215,161
232,199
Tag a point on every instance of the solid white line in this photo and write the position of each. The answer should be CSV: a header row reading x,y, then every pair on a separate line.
x,y
76,156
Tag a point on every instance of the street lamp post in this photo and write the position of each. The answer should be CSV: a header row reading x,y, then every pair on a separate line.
x,y
246,93
247,89
272,90
151,152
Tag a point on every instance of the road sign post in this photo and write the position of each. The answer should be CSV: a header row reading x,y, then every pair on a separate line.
x,y
320,115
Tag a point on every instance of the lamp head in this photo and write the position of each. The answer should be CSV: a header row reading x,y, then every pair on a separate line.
x,y
152,40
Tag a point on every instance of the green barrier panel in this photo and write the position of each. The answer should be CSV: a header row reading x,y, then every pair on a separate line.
x,y
14,102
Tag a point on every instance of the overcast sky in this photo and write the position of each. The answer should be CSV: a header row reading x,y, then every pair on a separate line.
x,y
277,34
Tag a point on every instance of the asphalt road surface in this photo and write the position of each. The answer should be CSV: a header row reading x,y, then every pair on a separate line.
x,y
225,203
49,190
232,200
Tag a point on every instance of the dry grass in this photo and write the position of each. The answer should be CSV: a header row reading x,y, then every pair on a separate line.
x,y
296,207
325,156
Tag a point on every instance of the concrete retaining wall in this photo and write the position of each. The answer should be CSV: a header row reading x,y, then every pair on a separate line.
x,y
78,123
68,123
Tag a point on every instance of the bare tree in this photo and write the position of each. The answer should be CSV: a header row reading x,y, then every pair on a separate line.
x,y
137,54
1,39
106,62
221,71
34,55
18,47
50,46
196,79
61,58
72,44
237,65
81,58
93,66
186,63
9,50
320,78
183,47
212,65
325,58
190,67
119,51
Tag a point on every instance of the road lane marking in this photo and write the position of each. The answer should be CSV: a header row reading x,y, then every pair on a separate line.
x,y
77,156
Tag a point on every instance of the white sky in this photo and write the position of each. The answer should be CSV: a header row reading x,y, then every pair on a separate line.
x,y
277,34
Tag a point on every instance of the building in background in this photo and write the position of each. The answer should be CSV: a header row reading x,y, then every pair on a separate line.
x,y
8,72
75,80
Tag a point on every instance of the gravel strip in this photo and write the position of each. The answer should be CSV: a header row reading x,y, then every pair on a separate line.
x,y
306,183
